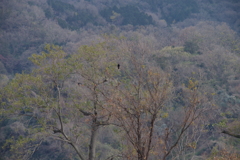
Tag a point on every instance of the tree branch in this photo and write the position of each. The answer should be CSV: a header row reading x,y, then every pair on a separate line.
x,y
230,134
84,112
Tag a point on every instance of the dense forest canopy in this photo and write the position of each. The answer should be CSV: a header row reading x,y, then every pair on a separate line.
x,y
119,79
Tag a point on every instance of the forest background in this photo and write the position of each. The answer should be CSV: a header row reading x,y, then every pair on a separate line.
x,y
119,79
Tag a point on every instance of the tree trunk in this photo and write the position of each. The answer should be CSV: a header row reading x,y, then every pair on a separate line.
x,y
92,145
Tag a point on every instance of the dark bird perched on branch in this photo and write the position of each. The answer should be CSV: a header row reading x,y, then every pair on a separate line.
x,y
118,66
56,131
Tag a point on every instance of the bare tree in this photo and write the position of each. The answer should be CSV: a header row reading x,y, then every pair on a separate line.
x,y
138,102
142,100
190,113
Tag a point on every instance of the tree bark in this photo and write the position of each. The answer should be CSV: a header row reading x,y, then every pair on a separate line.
x,y
92,146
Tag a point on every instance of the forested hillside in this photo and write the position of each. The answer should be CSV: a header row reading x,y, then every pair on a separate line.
x,y
120,79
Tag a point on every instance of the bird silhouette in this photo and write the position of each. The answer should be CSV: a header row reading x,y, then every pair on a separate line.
x,y
118,66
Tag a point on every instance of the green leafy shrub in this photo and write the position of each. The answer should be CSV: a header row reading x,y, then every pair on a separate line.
x,y
129,14
79,19
176,11
60,6
191,47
